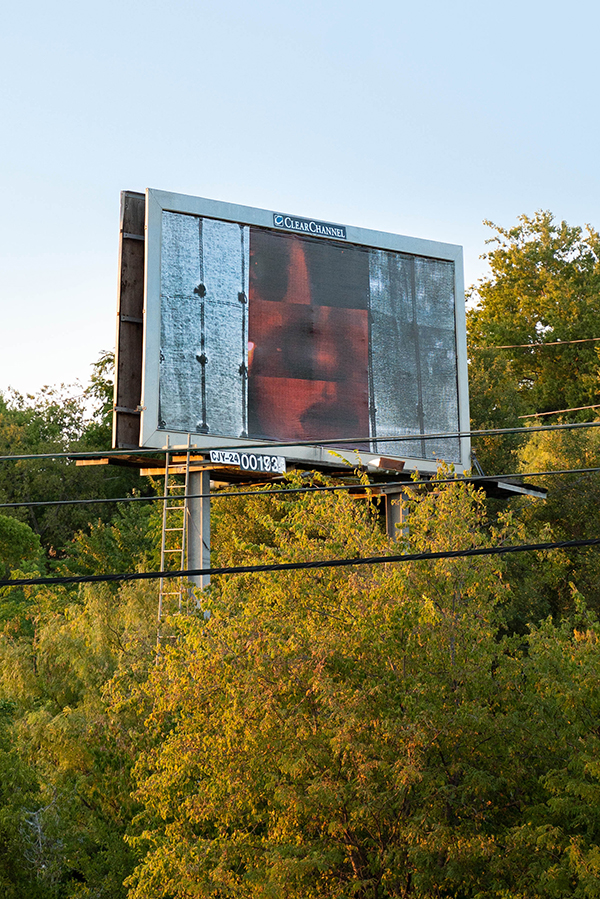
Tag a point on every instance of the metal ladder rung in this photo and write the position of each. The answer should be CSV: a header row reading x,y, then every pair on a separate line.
x,y
175,514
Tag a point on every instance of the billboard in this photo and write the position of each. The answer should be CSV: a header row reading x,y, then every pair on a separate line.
x,y
260,327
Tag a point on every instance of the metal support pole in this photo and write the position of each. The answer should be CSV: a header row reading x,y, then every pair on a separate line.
x,y
395,514
198,547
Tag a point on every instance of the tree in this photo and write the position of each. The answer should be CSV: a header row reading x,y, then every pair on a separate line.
x,y
60,420
569,513
561,832
130,542
371,732
18,544
19,791
543,292
336,733
20,550
75,736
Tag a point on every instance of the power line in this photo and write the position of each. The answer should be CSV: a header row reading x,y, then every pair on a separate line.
x,y
297,566
560,411
337,442
314,488
519,346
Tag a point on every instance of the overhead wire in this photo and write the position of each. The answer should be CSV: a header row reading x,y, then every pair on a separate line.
x,y
313,488
327,563
337,442
297,566
560,411
522,346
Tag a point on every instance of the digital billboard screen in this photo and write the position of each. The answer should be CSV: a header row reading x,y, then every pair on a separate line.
x,y
263,327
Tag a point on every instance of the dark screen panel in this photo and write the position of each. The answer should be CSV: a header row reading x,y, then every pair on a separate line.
x,y
308,333
295,269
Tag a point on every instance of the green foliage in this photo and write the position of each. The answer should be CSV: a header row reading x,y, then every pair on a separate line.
x,y
561,832
19,793
544,287
20,554
130,542
60,686
338,733
18,544
367,732
62,665
99,394
569,513
60,420
495,403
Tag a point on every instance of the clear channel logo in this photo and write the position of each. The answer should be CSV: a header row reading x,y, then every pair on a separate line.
x,y
308,226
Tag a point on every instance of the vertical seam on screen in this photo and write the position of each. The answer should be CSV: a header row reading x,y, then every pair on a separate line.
x,y
204,423
244,367
417,356
455,329
372,410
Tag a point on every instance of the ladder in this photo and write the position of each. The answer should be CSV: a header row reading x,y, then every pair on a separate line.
x,y
174,534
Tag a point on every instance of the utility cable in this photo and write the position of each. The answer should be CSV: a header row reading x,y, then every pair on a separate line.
x,y
337,442
297,566
559,411
522,346
314,488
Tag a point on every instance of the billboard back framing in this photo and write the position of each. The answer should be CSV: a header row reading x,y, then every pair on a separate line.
x,y
262,327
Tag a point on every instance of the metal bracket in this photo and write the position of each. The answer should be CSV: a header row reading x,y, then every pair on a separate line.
x,y
126,409
132,318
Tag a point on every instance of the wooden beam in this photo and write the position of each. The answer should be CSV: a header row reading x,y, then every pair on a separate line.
x,y
130,316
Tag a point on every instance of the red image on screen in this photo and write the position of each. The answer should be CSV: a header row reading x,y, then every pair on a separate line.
x,y
308,338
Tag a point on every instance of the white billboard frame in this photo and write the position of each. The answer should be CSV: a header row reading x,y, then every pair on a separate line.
x,y
151,435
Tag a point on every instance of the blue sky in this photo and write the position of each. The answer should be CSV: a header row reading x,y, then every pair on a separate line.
x,y
417,118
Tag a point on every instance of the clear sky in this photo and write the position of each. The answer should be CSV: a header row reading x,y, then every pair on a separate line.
x,y
421,118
